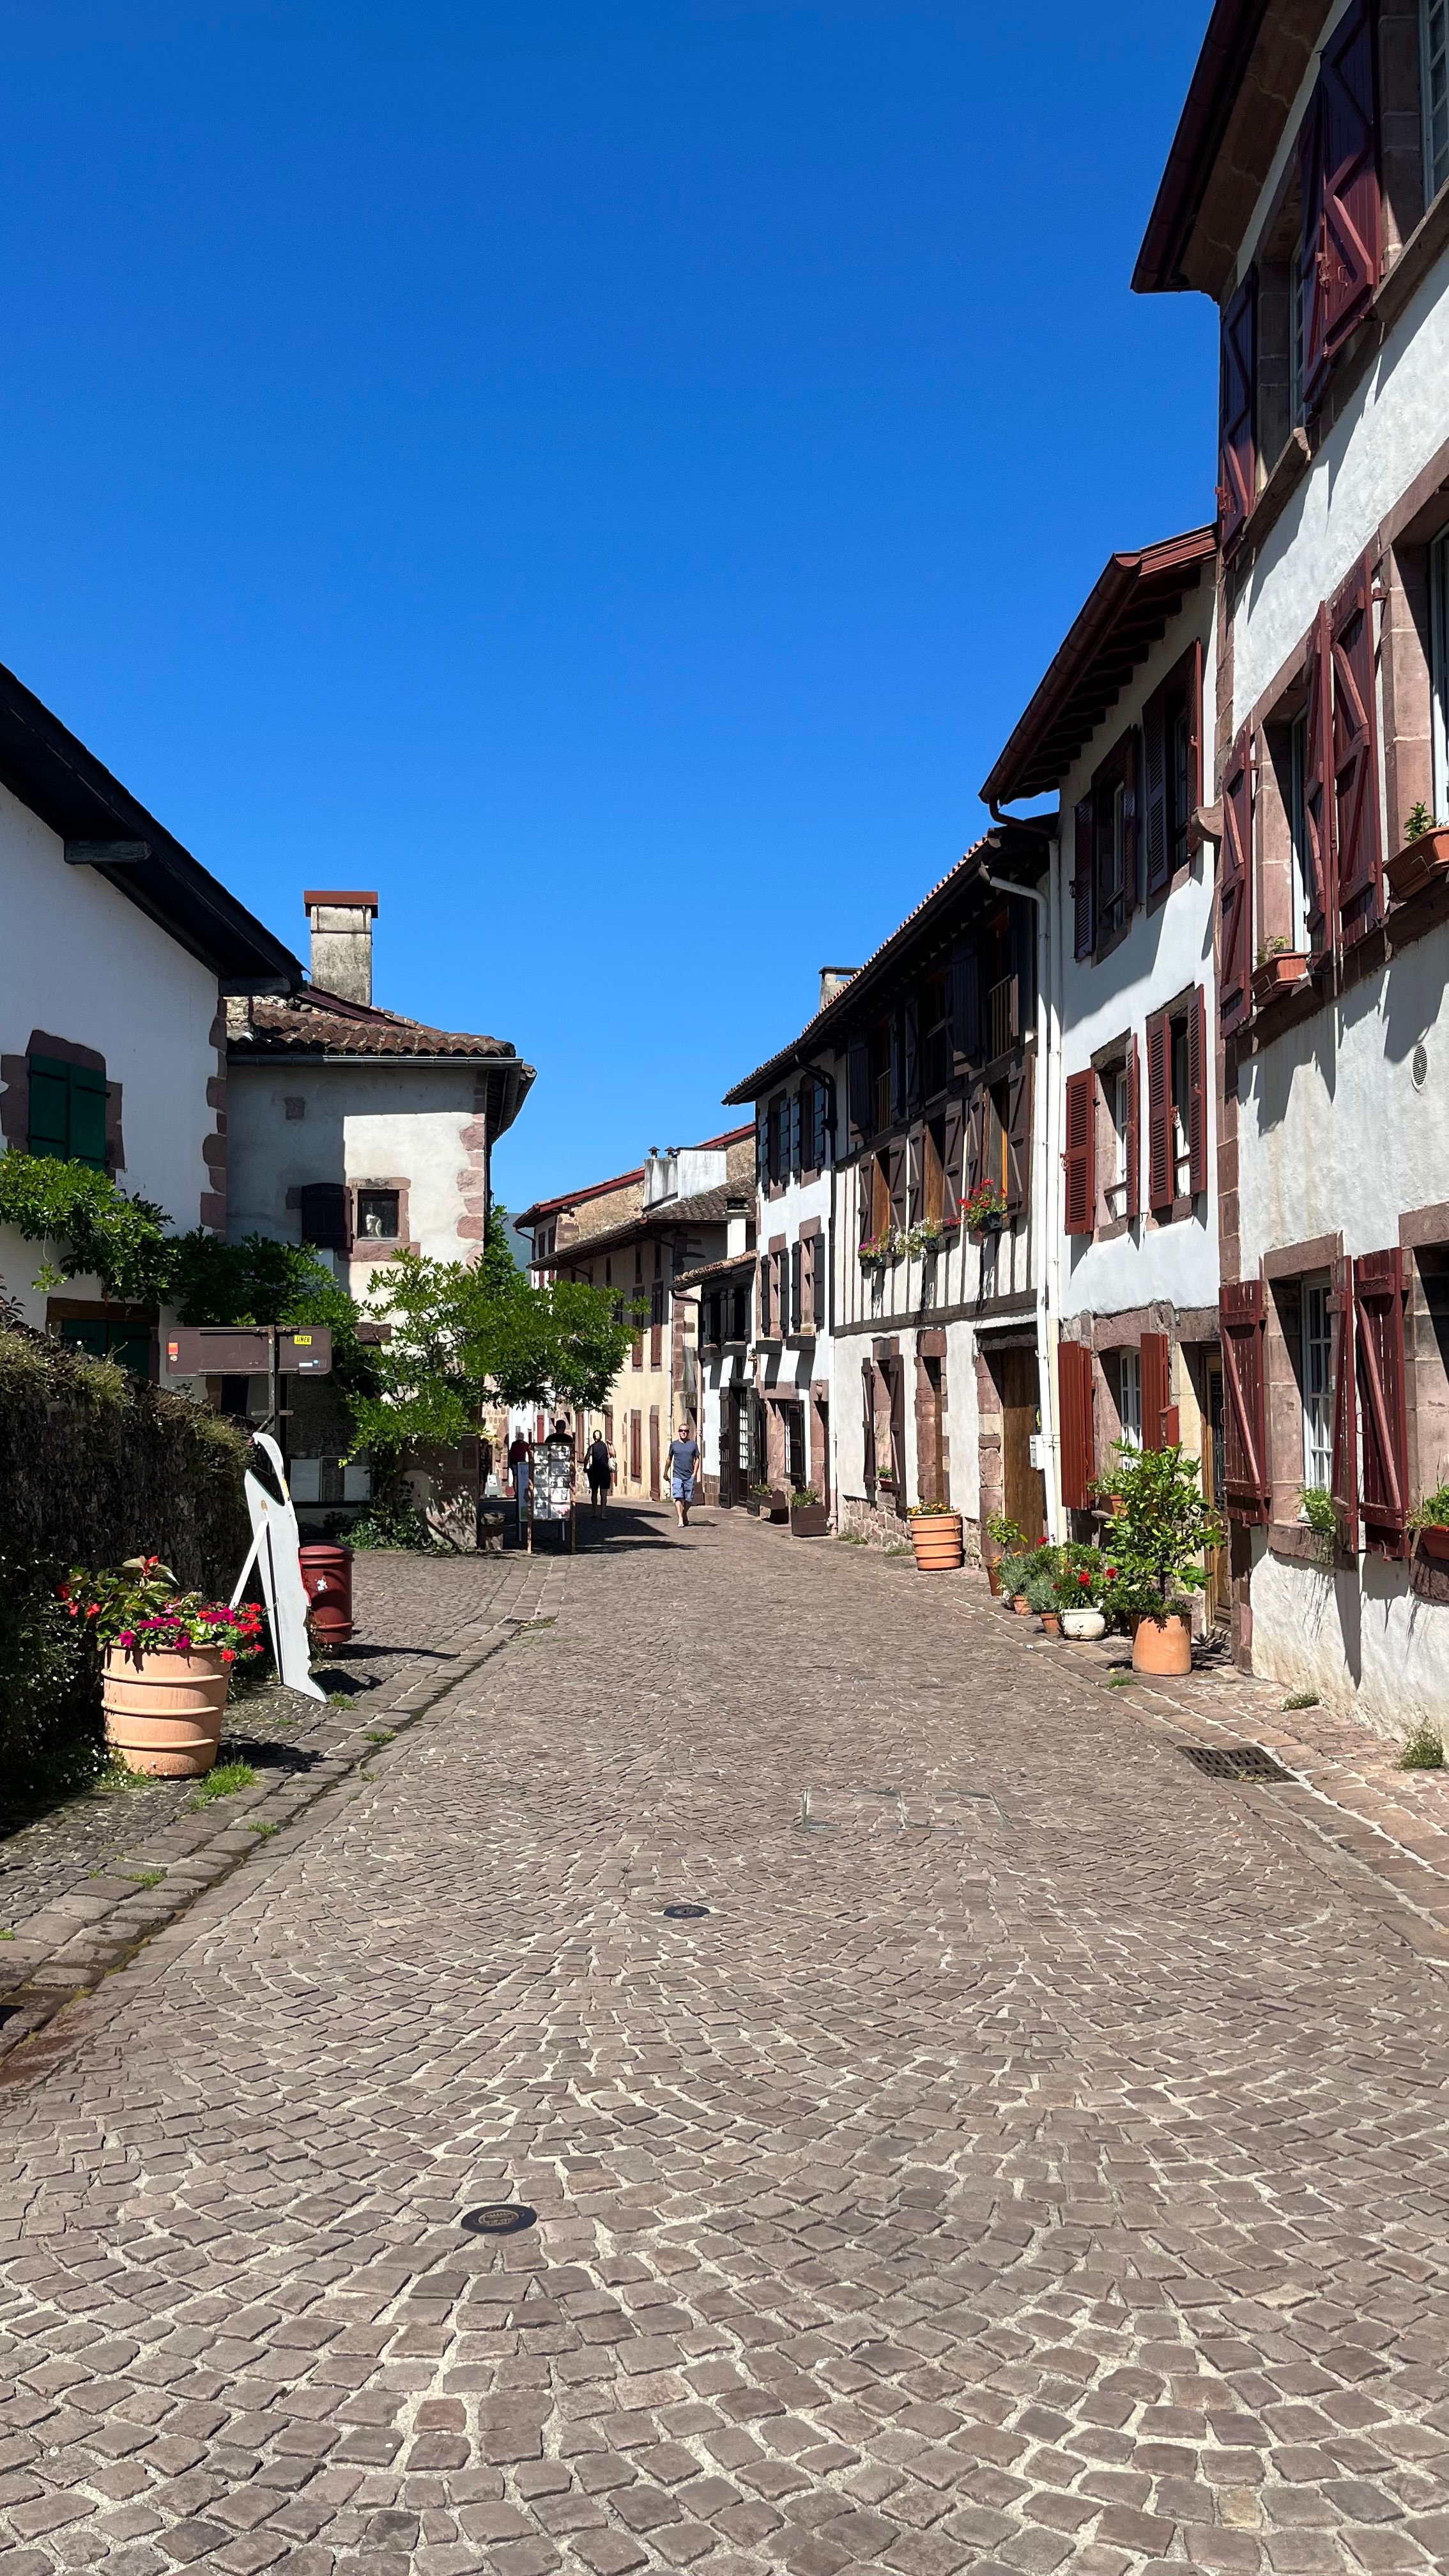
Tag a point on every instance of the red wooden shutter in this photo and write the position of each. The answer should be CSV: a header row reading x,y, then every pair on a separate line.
x,y
1350,238
1312,264
1160,1191
1197,1107
1237,443
1381,1287
896,1179
1357,853
1235,889
1130,758
1156,802
1132,1196
1191,668
1156,1387
1074,1380
1345,1408
1245,1466
953,1146
1018,1140
1079,1160
1318,800
1084,883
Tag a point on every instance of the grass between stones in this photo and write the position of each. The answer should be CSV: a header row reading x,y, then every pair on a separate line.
x,y
226,1781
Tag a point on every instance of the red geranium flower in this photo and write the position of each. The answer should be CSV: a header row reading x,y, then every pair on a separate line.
x,y
228,1654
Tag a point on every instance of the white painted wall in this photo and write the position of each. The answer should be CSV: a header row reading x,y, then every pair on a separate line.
x,y
1363,1641
79,961
363,1122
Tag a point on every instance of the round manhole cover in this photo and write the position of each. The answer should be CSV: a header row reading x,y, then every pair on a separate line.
x,y
499,2218
685,1913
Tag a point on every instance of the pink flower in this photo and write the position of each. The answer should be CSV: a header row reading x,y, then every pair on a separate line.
x,y
127,1637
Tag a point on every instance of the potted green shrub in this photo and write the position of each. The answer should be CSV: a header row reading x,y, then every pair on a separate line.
x,y
1079,1593
1040,1588
1005,1539
1160,1528
1320,1515
807,1513
1013,1570
1424,856
756,1500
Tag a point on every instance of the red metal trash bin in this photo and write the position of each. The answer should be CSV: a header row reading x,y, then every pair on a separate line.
x,y
327,1581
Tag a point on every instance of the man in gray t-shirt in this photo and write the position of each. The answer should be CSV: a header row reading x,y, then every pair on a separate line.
x,y
683,1460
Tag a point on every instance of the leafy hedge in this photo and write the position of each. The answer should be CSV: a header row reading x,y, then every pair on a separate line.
x,y
95,1466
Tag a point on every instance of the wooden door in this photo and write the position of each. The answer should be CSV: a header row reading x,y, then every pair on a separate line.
x,y
1218,1599
654,1452
636,1447
1024,1499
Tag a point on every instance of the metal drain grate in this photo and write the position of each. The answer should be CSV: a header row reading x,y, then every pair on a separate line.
x,y
499,2218
685,1913
1234,1762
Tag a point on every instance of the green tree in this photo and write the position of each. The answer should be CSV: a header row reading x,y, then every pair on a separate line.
x,y
1159,1529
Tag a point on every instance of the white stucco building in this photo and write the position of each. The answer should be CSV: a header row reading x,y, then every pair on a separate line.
x,y
1308,193
119,950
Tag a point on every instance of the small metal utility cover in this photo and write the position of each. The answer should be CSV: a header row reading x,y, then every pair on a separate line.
x,y
1235,1762
499,2218
685,1913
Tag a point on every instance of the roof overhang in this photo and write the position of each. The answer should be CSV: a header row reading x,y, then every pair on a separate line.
x,y
56,778
1241,94
1129,610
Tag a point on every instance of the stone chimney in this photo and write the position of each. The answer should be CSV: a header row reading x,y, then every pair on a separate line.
x,y
341,941
833,980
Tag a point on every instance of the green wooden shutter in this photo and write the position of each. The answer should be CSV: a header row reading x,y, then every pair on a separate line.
x,y
87,1117
49,1131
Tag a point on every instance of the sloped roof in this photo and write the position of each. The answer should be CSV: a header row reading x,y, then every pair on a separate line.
x,y
710,1207
1125,614
1247,75
316,1022
534,1215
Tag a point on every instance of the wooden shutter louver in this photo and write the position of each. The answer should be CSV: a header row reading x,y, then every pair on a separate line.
x,y
976,1134
1074,1384
797,1286
953,1149
1235,889
323,1209
1237,442
1358,859
1344,1485
1380,1281
1079,1158
1130,757
1084,882
1156,820
1350,222
1156,1360
48,1123
1018,1140
1132,1194
1197,1100
896,1179
1160,1176
916,1176
1318,798
1245,1480
762,1147
793,1156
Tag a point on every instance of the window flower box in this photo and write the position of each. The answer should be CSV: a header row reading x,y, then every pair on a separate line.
x,y
1282,972
1421,862
808,1517
1434,1541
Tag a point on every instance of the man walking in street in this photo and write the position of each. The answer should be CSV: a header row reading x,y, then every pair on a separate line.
x,y
519,1462
599,1472
683,1460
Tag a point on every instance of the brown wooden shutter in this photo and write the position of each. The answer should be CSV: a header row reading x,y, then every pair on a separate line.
x,y
1079,1159
1381,1286
911,1047
1237,446
966,1045
1156,817
896,1178
1358,855
1018,1140
896,1381
1160,1189
867,1397
860,1103
796,1261
976,1135
1156,1387
1191,668
1074,1383
916,1175
1197,1102
1132,1194
1318,800
1312,266
1129,758
1350,239
1344,1486
1235,888
1245,1465
1084,882
953,1148
326,1216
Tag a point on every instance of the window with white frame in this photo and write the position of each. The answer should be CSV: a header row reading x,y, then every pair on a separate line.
x,y
1119,1107
1439,602
1298,830
1315,1377
1129,1398
1434,80
1181,1089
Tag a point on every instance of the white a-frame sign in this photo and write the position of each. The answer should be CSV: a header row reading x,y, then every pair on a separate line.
x,y
275,1542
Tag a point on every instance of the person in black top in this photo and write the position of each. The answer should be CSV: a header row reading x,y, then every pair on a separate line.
x,y
599,1473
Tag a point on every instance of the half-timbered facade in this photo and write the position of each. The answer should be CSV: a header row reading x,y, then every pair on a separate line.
x,y
1308,193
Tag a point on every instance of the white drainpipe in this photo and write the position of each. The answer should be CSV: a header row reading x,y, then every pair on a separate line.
x,y
1045,1118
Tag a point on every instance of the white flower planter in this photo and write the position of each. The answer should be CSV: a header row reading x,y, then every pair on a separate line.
x,y
1083,1624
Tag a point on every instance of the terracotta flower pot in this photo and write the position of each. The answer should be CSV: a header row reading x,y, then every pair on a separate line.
x,y
993,1575
1021,1606
936,1538
1162,1646
1051,1622
163,1712
1419,862
1083,1625
1434,1541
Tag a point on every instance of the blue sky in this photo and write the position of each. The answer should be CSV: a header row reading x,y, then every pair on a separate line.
x,y
607,475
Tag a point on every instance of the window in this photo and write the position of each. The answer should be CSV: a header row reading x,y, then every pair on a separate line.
x,y
325,1216
129,1345
1315,1377
1434,74
68,1111
1118,1093
1439,646
1181,1094
1129,1398
377,1216
1298,874
1111,860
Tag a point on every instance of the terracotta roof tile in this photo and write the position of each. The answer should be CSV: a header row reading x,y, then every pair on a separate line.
x,y
314,1022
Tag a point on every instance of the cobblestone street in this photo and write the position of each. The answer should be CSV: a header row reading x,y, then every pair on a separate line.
x,y
1035,2157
